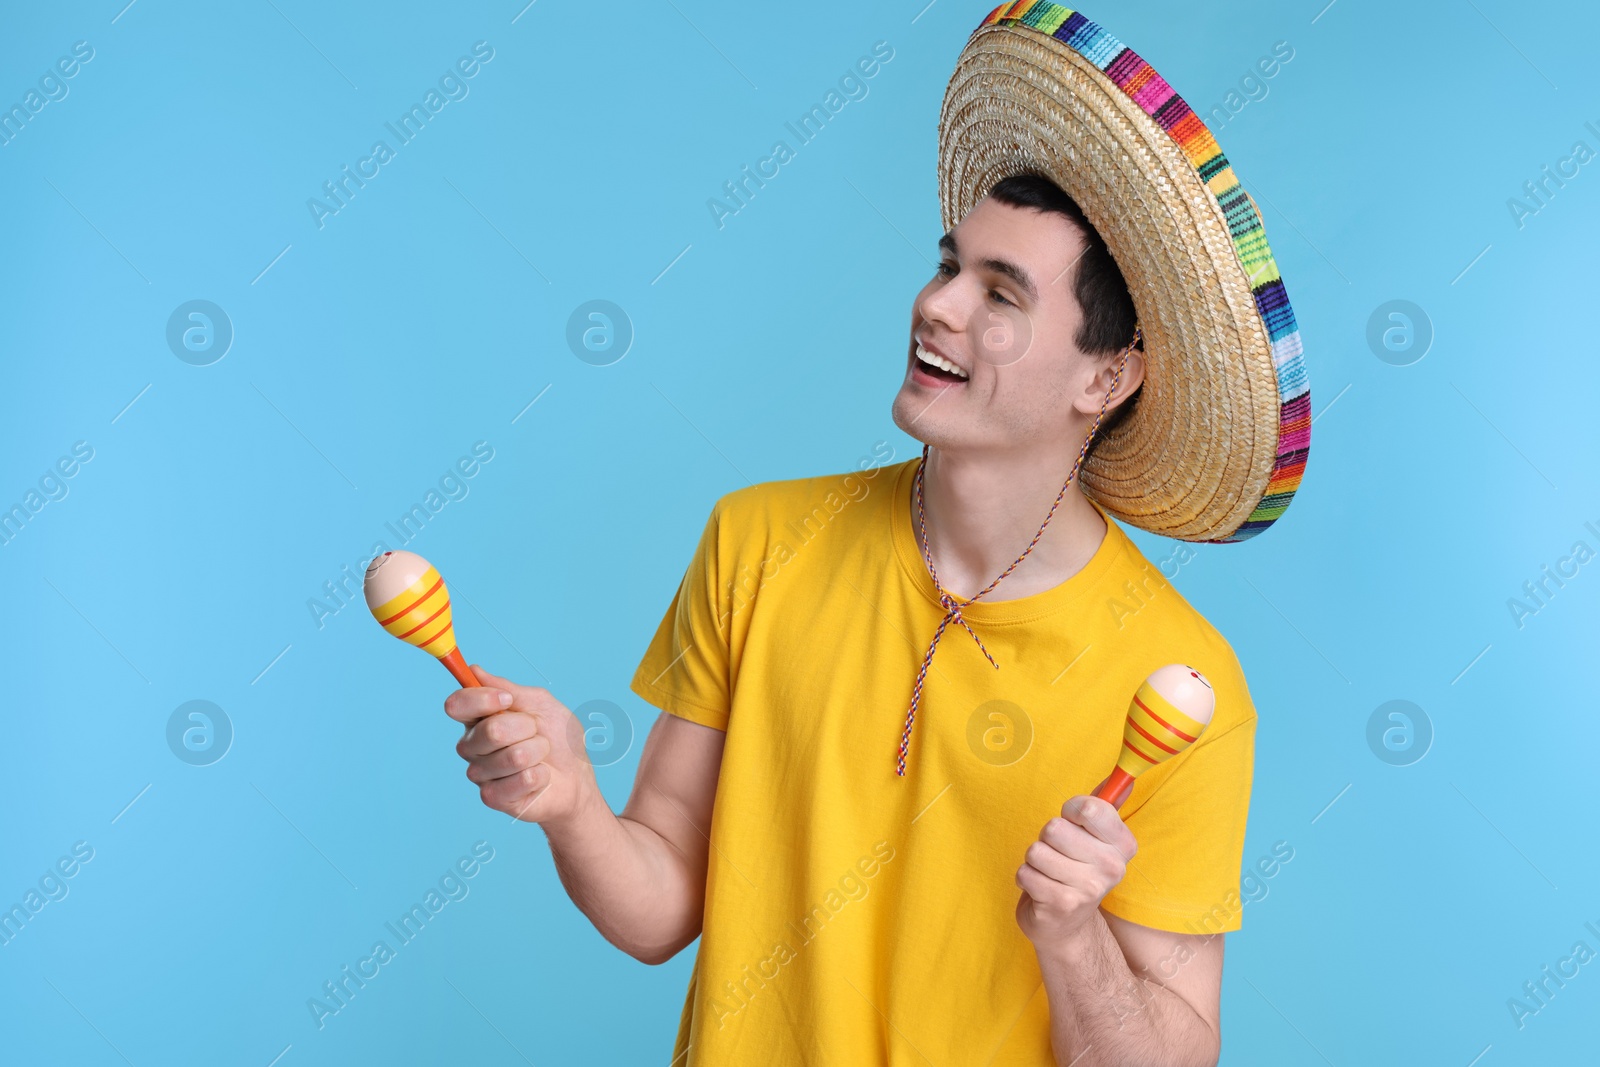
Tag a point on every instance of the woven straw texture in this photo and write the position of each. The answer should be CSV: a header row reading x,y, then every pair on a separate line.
x,y
1216,444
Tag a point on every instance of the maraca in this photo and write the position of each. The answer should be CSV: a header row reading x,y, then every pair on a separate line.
x,y
409,599
1169,712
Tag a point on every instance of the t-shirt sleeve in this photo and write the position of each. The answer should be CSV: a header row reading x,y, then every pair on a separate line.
x,y
685,668
1185,875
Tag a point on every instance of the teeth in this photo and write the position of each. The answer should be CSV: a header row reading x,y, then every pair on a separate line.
x,y
938,361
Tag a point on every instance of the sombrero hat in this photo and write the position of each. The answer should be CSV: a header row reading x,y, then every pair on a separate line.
x,y
1215,446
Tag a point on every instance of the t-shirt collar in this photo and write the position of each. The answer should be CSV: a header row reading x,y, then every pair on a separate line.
x,y
1112,550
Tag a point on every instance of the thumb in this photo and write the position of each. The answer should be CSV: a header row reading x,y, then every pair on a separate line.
x,y
492,681
524,697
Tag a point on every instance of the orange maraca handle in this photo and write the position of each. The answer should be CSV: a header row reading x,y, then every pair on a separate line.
x,y
456,664
1116,789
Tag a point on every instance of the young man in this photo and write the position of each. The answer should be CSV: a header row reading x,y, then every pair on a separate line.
x,y
890,692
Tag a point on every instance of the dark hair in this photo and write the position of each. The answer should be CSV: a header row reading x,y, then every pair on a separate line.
x,y
1108,312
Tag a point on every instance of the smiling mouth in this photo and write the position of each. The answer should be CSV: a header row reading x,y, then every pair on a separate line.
x,y
937,367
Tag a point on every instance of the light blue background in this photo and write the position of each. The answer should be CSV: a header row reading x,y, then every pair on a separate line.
x,y
432,309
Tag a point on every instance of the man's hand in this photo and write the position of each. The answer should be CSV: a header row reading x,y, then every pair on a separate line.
x,y
518,749
1077,860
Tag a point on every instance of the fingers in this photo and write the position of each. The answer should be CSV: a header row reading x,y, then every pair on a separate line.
x,y
1039,886
1101,820
505,757
515,793
1049,861
496,732
509,760
1075,843
1068,854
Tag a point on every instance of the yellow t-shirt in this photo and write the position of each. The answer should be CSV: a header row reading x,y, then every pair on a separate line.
x,y
856,917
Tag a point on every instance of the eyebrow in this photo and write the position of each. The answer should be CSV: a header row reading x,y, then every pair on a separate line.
x,y
998,266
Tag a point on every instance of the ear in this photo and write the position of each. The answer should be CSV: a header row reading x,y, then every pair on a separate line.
x,y
1100,380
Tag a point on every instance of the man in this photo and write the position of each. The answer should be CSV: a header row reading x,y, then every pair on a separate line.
x,y
962,899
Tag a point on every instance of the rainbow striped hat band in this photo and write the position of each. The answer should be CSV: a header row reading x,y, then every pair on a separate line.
x,y
1216,442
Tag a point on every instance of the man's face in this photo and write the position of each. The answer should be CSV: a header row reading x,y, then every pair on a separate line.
x,y
1001,309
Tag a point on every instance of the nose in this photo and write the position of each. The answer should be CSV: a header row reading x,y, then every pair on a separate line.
x,y
942,304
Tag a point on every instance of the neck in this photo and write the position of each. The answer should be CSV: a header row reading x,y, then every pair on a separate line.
x,y
982,510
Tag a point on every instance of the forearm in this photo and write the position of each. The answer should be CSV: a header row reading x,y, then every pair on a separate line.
x,y
1103,1015
639,891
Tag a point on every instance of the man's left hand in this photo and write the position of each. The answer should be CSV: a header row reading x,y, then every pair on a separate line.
x,y
1077,860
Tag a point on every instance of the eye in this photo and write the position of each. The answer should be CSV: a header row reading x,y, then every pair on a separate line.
x,y
995,295
945,269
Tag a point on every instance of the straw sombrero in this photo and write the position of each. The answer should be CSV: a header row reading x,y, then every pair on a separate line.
x,y
1215,446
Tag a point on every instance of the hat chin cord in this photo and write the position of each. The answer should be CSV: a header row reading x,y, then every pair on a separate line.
x,y
952,606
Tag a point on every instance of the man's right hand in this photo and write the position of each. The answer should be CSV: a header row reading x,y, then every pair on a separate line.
x,y
517,749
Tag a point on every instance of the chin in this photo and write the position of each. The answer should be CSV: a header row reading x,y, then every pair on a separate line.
x,y
903,410
927,428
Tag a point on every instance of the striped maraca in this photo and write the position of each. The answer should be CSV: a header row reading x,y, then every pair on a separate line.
x,y
409,599
1168,714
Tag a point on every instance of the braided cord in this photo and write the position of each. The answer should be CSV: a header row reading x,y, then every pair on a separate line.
x,y
952,606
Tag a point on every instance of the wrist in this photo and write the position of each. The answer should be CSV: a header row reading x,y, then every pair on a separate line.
x,y
1068,952
588,812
